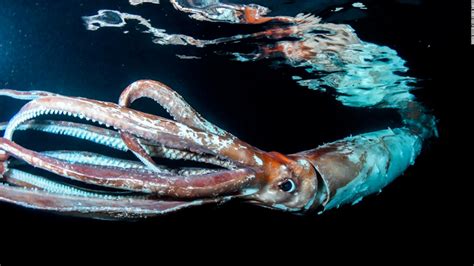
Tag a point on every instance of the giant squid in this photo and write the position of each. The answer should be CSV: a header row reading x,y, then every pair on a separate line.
x,y
318,179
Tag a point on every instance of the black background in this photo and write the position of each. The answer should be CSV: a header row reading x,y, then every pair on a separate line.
x,y
43,45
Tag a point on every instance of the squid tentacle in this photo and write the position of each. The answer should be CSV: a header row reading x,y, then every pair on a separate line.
x,y
84,157
91,158
48,195
146,126
112,139
205,185
26,95
91,133
173,103
96,207
27,180
134,145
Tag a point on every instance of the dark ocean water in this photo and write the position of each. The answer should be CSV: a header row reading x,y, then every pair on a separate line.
x,y
45,46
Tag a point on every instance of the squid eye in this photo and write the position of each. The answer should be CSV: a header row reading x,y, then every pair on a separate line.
x,y
288,186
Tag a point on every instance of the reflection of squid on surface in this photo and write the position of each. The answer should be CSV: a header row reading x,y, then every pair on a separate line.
x,y
214,10
311,36
313,39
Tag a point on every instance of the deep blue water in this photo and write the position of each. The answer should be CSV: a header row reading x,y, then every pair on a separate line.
x,y
44,45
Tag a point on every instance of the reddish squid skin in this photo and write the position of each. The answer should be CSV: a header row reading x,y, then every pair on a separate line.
x,y
322,178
